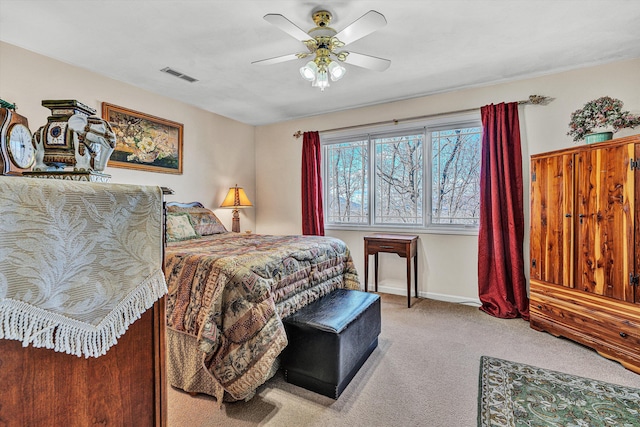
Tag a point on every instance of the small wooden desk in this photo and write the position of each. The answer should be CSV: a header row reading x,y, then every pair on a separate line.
x,y
404,245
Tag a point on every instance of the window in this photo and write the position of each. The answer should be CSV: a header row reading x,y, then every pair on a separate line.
x,y
380,179
455,174
346,181
398,178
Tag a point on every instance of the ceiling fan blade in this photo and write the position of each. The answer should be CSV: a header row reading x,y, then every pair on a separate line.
x,y
367,61
283,58
287,26
365,25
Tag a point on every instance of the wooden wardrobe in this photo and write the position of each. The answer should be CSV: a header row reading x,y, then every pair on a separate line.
x,y
584,254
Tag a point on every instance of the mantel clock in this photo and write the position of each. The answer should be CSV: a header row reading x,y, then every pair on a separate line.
x,y
16,147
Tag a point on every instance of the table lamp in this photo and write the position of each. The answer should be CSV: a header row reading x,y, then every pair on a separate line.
x,y
236,199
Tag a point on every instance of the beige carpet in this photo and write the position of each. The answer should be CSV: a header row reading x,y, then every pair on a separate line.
x,y
423,373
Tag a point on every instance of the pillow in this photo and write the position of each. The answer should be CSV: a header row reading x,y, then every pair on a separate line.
x,y
180,227
174,208
205,222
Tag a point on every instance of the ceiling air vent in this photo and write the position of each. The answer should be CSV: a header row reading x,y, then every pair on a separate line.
x,y
178,74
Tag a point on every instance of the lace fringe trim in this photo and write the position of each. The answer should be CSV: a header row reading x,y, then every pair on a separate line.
x,y
41,328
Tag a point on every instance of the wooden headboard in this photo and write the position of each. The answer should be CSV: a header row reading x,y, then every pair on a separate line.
x,y
186,205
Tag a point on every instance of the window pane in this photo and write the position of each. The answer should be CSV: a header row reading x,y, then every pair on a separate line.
x,y
456,176
398,181
347,183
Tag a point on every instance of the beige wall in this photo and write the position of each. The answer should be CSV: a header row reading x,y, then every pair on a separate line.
x,y
217,152
447,263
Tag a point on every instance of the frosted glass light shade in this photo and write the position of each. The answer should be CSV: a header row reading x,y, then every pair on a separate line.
x,y
308,72
336,71
322,80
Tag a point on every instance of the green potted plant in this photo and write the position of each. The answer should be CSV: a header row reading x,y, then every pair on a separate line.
x,y
599,119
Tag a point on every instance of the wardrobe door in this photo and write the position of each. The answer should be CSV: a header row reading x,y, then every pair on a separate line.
x,y
605,225
635,290
551,246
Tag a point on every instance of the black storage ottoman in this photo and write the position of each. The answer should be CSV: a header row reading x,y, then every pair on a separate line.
x,y
330,339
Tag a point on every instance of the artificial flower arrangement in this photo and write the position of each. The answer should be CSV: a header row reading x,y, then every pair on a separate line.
x,y
603,113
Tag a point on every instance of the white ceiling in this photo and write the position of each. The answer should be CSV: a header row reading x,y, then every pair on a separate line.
x,y
434,46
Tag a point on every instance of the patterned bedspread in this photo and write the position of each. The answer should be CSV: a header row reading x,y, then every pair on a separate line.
x,y
231,290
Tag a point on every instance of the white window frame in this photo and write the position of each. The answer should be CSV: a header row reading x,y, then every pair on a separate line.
x,y
427,126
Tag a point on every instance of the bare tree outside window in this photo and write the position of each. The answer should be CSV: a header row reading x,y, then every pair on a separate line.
x,y
347,182
388,170
456,176
399,179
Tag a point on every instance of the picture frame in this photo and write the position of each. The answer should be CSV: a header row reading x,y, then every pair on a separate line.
x,y
144,142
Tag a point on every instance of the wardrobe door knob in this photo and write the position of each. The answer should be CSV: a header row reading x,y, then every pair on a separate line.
x,y
623,335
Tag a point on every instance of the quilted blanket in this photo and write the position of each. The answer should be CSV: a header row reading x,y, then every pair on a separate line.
x,y
231,290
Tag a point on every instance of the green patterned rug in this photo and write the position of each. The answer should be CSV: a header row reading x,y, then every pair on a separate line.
x,y
513,395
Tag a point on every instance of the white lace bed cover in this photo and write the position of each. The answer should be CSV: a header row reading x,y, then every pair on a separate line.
x,y
79,261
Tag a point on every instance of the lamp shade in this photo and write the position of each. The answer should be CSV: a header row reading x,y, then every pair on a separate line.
x,y
322,80
336,71
236,198
308,72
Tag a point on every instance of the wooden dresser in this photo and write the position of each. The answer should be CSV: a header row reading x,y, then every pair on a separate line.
x,y
585,259
125,387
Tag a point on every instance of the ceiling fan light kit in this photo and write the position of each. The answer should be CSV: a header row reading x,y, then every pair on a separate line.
x,y
324,42
320,70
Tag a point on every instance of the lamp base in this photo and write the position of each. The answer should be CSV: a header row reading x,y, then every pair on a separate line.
x,y
235,224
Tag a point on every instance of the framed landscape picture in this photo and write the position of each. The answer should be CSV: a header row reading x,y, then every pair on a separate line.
x,y
144,142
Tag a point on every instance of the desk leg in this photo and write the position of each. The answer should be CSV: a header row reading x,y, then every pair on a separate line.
x,y
376,269
366,272
409,281
415,270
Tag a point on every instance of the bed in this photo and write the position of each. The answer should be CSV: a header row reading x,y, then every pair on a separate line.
x,y
228,294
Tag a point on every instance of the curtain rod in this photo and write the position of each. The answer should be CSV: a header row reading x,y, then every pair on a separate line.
x,y
533,100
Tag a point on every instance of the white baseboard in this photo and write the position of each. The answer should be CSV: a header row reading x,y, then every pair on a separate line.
x,y
431,295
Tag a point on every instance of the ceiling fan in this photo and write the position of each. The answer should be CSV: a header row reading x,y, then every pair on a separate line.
x,y
325,43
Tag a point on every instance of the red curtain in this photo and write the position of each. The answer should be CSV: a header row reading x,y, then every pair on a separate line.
x,y
501,281
312,215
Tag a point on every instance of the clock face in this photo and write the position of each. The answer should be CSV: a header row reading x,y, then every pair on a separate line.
x,y
21,150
